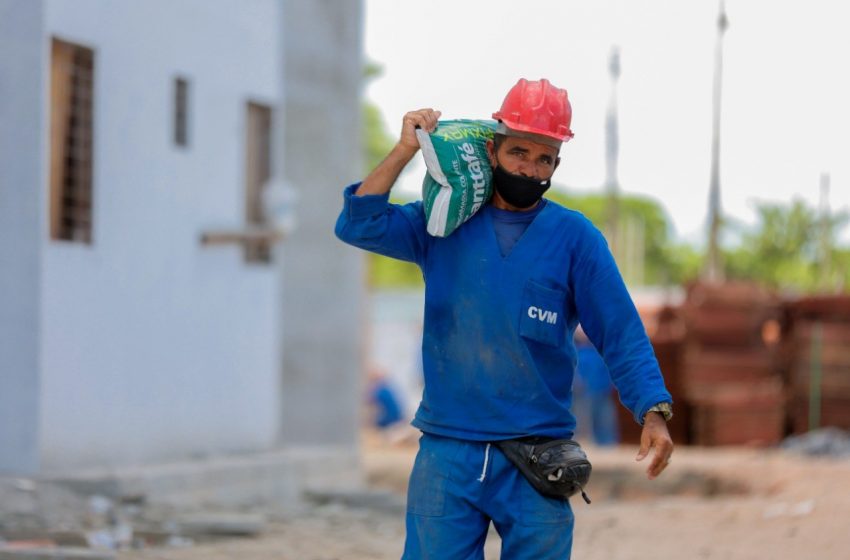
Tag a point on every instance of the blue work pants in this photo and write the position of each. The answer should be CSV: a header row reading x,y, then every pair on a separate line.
x,y
458,487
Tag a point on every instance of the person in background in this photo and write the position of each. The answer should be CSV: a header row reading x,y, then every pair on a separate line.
x,y
593,401
384,400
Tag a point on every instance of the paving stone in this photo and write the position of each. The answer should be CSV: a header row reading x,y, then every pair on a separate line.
x,y
58,553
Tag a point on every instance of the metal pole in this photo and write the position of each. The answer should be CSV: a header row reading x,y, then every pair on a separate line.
x,y
815,376
714,267
612,147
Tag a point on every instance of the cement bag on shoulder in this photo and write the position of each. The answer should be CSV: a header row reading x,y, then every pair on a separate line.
x,y
459,178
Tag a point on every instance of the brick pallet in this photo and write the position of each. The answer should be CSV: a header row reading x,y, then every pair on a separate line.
x,y
731,378
819,362
750,413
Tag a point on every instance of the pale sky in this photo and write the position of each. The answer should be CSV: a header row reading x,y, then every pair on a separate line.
x,y
786,89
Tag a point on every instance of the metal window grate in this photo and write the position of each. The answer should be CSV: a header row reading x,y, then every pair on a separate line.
x,y
181,112
72,91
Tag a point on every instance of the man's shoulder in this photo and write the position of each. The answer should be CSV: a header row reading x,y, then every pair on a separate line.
x,y
572,218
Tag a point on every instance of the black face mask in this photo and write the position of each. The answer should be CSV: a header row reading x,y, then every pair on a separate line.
x,y
518,191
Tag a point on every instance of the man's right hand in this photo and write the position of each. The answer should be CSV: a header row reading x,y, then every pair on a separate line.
x,y
426,119
382,178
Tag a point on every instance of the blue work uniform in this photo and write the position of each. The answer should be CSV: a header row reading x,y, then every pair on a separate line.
x,y
498,362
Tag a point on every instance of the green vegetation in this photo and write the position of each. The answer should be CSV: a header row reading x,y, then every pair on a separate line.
x,y
789,248
377,143
663,261
792,248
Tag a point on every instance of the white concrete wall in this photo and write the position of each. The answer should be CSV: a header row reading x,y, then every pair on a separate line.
x,y
324,279
153,347
21,203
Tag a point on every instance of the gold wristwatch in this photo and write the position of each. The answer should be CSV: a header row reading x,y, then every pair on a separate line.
x,y
663,408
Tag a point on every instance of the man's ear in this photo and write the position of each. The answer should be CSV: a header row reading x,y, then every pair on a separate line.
x,y
491,152
557,163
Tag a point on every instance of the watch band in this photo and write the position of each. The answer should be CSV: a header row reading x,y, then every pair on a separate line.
x,y
663,408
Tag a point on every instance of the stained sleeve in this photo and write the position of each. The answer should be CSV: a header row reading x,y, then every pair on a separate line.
x,y
372,223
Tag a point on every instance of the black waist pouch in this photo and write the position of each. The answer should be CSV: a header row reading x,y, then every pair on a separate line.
x,y
557,468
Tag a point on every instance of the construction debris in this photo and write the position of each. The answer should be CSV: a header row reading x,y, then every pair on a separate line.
x,y
825,442
45,520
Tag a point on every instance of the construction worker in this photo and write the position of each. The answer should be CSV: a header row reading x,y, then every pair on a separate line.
x,y
503,295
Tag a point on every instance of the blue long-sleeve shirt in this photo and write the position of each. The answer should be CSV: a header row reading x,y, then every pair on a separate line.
x,y
498,356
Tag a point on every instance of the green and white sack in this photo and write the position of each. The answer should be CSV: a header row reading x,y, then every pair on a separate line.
x,y
459,178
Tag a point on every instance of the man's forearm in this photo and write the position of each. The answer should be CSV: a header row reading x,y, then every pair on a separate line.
x,y
384,176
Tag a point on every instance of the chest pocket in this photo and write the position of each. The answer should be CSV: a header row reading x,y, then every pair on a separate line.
x,y
542,314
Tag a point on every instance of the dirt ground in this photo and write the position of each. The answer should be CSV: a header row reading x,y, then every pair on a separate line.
x,y
731,504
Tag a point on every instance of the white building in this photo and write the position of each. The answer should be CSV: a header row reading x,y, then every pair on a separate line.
x,y
130,132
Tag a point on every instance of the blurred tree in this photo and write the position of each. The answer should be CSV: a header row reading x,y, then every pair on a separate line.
x,y
383,272
783,249
841,266
663,262
377,141
684,261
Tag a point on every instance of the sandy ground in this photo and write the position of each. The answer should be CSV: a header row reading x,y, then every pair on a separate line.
x,y
727,504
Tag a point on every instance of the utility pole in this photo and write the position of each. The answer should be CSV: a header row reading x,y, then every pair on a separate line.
x,y
714,267
612,149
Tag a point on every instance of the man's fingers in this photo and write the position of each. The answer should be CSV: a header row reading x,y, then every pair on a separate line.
x,y
426,119
415,119
423,118
655,436
659,463
434,116
644,447
663,453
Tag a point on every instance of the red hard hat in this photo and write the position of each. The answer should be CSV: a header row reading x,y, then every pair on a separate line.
x,y
537,108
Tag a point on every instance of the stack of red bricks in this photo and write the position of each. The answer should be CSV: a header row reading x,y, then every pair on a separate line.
x,y
818,344
730,373
668,343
